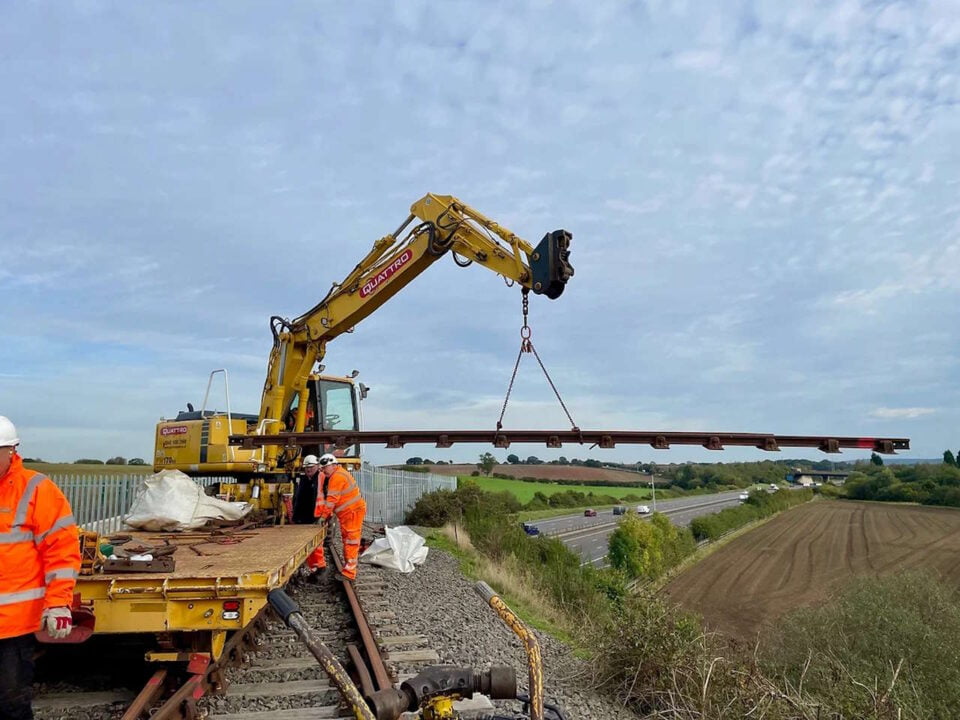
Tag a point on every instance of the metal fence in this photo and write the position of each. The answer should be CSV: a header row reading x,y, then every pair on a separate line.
x,y
100,502
390,494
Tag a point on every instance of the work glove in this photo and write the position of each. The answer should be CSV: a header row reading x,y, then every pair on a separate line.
x,y
58,621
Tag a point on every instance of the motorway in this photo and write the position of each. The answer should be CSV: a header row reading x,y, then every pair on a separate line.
x,y
588,536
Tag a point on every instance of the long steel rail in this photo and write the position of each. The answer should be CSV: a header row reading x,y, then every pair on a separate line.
x,y
556,438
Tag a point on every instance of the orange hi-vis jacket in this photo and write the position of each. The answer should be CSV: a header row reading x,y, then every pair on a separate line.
x,y
342,493
39,549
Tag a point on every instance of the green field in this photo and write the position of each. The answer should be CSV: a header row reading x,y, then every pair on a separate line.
x,y
524,491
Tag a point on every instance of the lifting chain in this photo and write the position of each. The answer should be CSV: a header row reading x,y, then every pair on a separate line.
x,y
526,346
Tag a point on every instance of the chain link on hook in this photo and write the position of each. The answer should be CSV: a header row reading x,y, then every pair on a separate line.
x,y
526,346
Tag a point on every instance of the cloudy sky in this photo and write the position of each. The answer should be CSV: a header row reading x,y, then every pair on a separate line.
x,y
764,201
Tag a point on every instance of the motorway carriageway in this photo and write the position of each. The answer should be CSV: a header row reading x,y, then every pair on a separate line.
x,y
588,536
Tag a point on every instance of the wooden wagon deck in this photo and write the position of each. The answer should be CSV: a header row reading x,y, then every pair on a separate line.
x,y
219,582
261,551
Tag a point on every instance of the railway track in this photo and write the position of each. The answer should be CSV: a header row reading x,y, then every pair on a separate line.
x,y
265,673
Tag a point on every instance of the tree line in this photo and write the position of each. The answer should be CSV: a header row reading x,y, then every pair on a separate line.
x,y
118,460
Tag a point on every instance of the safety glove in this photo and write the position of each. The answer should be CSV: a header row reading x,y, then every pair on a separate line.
x,y
58,621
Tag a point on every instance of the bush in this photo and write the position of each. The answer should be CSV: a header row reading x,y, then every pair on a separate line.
x,y
650,656
646,550
88,461
829,491
437,508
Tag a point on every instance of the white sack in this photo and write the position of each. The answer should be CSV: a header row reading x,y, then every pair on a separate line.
x,y
401,550
170,501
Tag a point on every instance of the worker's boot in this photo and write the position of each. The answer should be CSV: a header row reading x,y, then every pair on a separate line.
x,y
318,575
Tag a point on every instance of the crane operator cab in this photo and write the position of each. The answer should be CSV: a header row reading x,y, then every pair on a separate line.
x,y
196,442
332,404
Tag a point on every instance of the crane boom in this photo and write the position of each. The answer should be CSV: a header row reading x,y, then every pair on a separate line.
x,y
446,225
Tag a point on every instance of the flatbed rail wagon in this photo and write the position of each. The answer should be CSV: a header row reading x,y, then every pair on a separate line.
x,y
218,583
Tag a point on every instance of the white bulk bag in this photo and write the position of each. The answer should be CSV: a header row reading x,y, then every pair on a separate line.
x,y
171,501
401,550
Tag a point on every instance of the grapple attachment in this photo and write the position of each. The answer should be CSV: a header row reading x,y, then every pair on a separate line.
x,y
550,264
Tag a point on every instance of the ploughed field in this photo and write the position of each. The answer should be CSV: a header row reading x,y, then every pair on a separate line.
x,y
797,558
552,472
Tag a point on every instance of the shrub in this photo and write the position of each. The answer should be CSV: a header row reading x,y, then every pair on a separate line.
x,y
437,508
646,550
829,491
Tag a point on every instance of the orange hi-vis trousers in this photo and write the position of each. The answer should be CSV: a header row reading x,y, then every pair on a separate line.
x,y
351,526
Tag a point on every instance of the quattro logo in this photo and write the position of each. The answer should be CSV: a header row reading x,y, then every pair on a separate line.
x,y
173,430
371,285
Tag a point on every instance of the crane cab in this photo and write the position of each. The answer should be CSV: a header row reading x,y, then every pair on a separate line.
x,y
333,403
196,442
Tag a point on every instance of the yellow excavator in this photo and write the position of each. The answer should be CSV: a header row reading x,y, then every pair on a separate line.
x,y
296,396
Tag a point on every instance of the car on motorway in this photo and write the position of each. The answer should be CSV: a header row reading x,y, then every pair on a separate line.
x,y
589,512
643,509
743,497
531,529
619,510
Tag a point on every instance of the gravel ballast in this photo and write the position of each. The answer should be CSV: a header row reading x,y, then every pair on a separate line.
x,y
437,601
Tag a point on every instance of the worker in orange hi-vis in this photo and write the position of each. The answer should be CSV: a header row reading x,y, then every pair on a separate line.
x,y
340,495
39,565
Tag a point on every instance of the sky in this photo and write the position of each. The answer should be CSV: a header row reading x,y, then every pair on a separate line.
x,y
763,198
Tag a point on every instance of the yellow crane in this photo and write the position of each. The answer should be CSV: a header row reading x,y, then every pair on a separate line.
x,y
296,397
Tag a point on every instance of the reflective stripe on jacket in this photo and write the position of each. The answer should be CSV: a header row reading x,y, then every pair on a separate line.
x,y
39,549
342,493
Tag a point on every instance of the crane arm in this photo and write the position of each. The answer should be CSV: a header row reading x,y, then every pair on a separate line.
x,y
445,225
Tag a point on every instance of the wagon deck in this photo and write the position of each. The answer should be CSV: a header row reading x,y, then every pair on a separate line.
x,y
219,582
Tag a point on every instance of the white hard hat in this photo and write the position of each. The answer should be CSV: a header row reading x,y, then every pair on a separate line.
x,y
327,459
8,433
310,461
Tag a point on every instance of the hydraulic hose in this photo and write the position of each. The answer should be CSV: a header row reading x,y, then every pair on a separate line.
x,y
289,611
530,645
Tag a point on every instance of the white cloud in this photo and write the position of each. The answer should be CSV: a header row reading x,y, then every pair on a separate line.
x,y
708,61
902,413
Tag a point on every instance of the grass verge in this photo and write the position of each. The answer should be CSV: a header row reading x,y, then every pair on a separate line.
x,y
510,580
